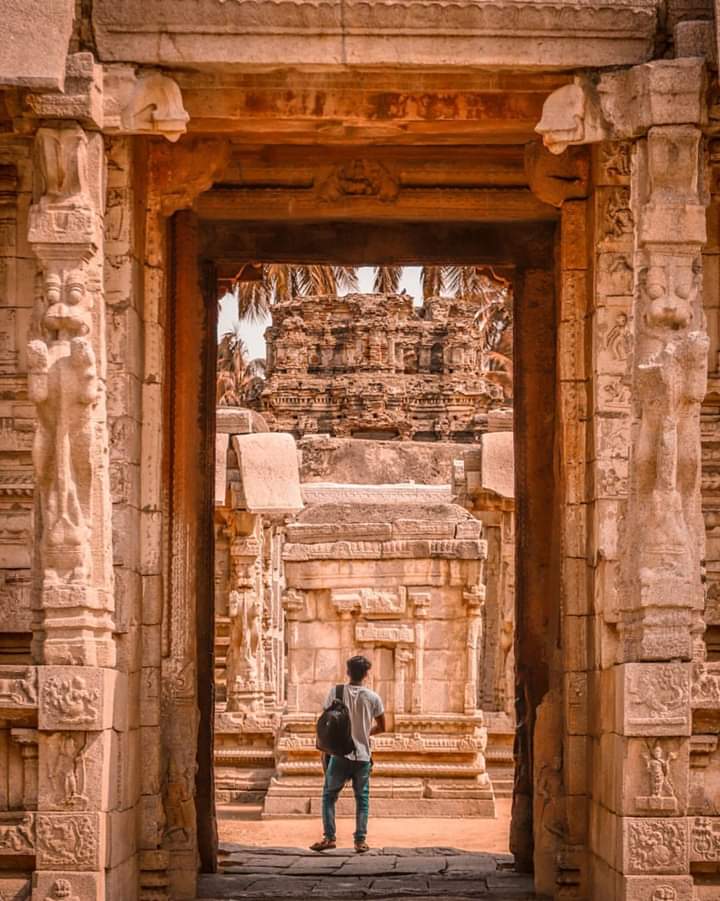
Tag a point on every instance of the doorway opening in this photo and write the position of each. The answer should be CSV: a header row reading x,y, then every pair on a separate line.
x,y
400,548
520,250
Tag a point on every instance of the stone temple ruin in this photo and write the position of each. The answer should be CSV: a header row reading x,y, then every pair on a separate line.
x,y
149,151
402,572
369,546
374,367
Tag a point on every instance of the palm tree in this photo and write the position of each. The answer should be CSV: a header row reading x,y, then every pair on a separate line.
x,y
238,377
387,279
281,282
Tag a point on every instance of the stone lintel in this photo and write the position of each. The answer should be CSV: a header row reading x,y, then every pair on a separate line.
x,y
498,33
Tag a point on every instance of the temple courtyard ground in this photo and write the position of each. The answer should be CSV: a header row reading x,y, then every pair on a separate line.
x,y
411,858
243,826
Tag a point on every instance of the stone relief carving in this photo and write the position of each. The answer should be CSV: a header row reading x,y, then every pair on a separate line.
x,y
617,221
18,837
149,103
67,841
656,846
669,378
572,115
179,800
664,893
71,700
359,178
657,698
245,609
705,839
619,339
662,795
615,159
66,768
61,890
64,383
18,686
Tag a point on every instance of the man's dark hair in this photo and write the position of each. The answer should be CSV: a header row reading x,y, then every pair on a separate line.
x,y
358,667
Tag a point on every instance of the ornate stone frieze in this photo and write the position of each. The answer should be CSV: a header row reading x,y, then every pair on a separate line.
x,y
68,841
372,603
373,366
655,845
654,699
77,698
375,633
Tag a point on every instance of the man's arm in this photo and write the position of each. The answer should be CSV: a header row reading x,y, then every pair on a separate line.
x,y
379,725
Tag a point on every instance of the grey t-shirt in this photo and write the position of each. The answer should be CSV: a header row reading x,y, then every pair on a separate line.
x,y
364,706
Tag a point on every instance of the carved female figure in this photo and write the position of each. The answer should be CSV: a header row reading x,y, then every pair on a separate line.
x,y
63,383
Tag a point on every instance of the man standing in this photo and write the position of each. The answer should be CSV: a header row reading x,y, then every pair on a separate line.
x,y
367,717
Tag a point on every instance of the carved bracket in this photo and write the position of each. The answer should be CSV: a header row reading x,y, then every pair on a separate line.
x,y
624,104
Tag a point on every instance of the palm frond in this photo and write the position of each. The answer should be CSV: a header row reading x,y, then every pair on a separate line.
x,y
432,281
254,300
346,278
387,279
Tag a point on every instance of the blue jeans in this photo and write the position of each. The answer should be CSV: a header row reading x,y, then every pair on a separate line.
x,y
339,771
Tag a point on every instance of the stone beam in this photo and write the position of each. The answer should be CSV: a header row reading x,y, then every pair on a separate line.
x,y
336,202
496,33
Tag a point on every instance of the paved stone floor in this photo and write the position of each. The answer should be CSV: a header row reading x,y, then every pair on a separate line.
x,y
251,873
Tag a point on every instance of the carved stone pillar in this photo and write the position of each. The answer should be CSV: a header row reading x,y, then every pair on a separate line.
x,y
665,538
74,605
66,381
246,652
421,602
28,741
474,601
293,605
661,595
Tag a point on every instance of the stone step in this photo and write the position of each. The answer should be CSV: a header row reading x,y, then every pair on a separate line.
x,y
238,810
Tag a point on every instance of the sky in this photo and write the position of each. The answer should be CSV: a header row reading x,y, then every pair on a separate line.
x,y
253,332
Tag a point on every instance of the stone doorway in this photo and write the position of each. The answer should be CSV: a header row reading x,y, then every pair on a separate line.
x,y
523,250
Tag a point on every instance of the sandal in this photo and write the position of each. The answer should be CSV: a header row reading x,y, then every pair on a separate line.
x,y
361,847
327,844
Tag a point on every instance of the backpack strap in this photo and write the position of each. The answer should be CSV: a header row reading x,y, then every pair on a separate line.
x,y
339,692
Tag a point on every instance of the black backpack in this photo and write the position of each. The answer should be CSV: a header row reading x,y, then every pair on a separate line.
x,y
333,729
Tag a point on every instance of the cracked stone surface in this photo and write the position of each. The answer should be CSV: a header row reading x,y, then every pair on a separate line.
x,y
255,874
